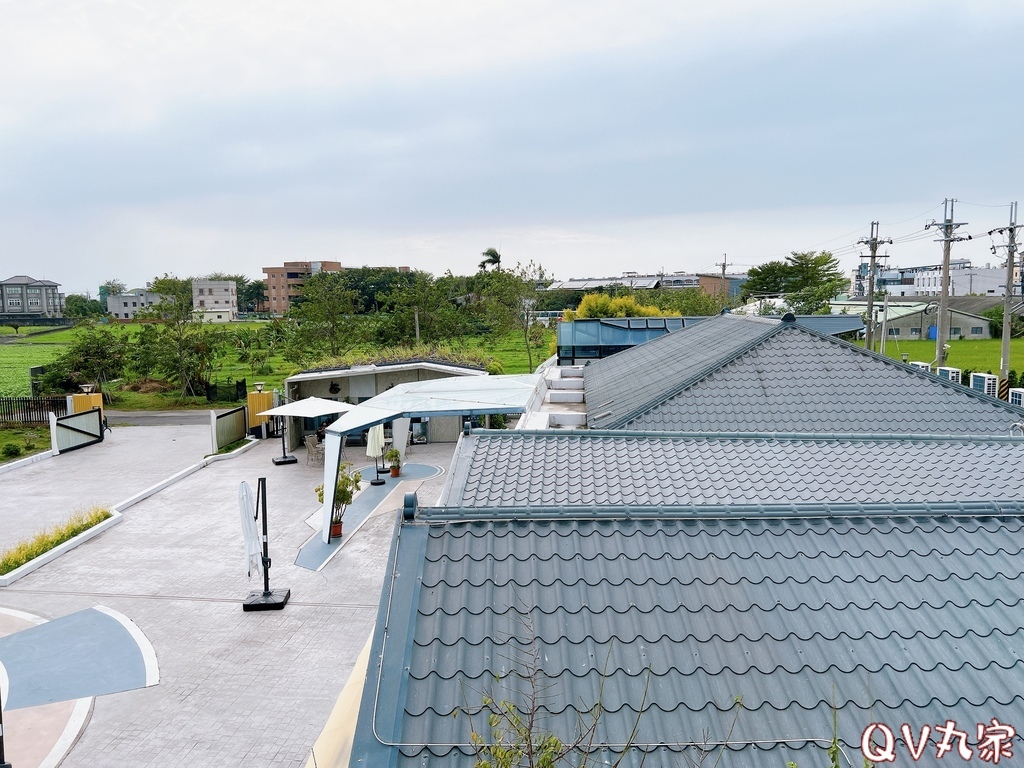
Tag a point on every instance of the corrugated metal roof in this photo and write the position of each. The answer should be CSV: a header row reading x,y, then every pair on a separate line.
x,y
898,619
524,469
724,376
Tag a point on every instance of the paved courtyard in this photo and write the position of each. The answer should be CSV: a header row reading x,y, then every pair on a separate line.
x,y
235,688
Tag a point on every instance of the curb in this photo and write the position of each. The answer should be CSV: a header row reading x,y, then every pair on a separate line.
x,y
116,517
48,454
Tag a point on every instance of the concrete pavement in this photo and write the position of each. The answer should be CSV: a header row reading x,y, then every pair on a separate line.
x,y
235,688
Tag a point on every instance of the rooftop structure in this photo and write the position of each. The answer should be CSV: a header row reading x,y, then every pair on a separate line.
x,y
750,374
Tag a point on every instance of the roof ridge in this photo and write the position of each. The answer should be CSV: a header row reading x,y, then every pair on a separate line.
x,y
776,327
785,510
591,434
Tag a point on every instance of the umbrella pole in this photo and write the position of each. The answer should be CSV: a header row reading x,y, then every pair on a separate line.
x,y
378,472
284,458
268,599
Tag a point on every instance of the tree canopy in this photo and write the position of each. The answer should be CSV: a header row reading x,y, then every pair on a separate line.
x,y
809,281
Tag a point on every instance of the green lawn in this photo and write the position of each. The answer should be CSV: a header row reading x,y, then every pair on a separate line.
x,y
28,439
980,356
16,358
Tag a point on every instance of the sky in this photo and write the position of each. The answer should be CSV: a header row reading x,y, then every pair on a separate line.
x,y
588,136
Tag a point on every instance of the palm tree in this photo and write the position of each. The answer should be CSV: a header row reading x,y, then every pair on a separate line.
x,y
491,258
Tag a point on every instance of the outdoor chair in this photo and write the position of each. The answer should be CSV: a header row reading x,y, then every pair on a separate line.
x,y
314,451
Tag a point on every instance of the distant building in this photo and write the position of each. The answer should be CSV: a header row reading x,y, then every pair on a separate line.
x,y
633,280
124,306
285,282
715,285
926,280
24,295
215,301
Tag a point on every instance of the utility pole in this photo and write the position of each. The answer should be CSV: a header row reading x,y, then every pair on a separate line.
x,y
725,286
946,228
1011,252
872,243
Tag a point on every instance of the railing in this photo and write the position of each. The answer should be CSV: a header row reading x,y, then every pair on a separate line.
x,y
229,427
32,410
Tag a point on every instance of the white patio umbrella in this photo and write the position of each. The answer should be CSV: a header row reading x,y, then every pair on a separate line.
x,y
251,534
375,441
308,408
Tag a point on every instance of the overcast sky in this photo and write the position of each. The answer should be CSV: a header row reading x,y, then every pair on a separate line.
x,y
592,137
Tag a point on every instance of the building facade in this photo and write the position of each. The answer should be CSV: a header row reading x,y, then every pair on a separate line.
x,y
285,282
24,295
125,306
215,301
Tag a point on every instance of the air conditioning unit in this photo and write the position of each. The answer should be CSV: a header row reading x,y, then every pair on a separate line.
x,y
985,382
949,374
918,364
1017,396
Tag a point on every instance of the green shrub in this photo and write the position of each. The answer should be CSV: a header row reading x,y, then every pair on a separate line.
x,y
10,451
45,540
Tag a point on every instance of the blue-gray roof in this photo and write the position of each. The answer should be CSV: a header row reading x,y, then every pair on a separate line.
x,y
744,374
902,614
524,469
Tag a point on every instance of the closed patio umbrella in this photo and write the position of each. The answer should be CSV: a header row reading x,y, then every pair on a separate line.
x,y
375,441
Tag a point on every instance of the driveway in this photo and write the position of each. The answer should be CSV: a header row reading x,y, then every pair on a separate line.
x,y
235,689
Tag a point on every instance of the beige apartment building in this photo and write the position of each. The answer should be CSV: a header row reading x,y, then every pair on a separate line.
x,y
285,282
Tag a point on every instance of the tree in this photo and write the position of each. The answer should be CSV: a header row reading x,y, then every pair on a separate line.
x,y
76,305
507,299
326,318
427,304
767,279
111,288
97,355
253,297
602,305
813,281
492,259
186,348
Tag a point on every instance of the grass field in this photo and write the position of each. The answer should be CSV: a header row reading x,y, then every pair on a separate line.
x,y
980,356
16,358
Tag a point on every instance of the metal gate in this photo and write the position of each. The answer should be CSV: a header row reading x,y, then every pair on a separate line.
x,y
79,430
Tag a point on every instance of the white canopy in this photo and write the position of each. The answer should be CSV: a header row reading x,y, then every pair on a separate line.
x,y
308,408
454,396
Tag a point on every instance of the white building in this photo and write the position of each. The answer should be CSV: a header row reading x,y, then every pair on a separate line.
x,y
215,301
124,306
965,281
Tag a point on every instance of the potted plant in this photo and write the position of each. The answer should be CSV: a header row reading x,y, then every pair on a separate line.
x,y
348,484
394,459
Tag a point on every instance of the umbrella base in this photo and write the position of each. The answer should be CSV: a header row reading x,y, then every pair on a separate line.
x,y
378,481
285,460
274,600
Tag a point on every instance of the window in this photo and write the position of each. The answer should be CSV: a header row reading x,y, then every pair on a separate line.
x,y
135,303
977,330
33,302
14,302
14,289
202,302
894,331
31,290
956,330
915,331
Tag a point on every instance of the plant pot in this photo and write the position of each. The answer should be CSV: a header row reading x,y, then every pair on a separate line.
x,y
396,471
335,530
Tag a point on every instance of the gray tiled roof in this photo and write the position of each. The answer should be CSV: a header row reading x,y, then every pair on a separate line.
x,y
901,618
524,469
636,377
787,380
